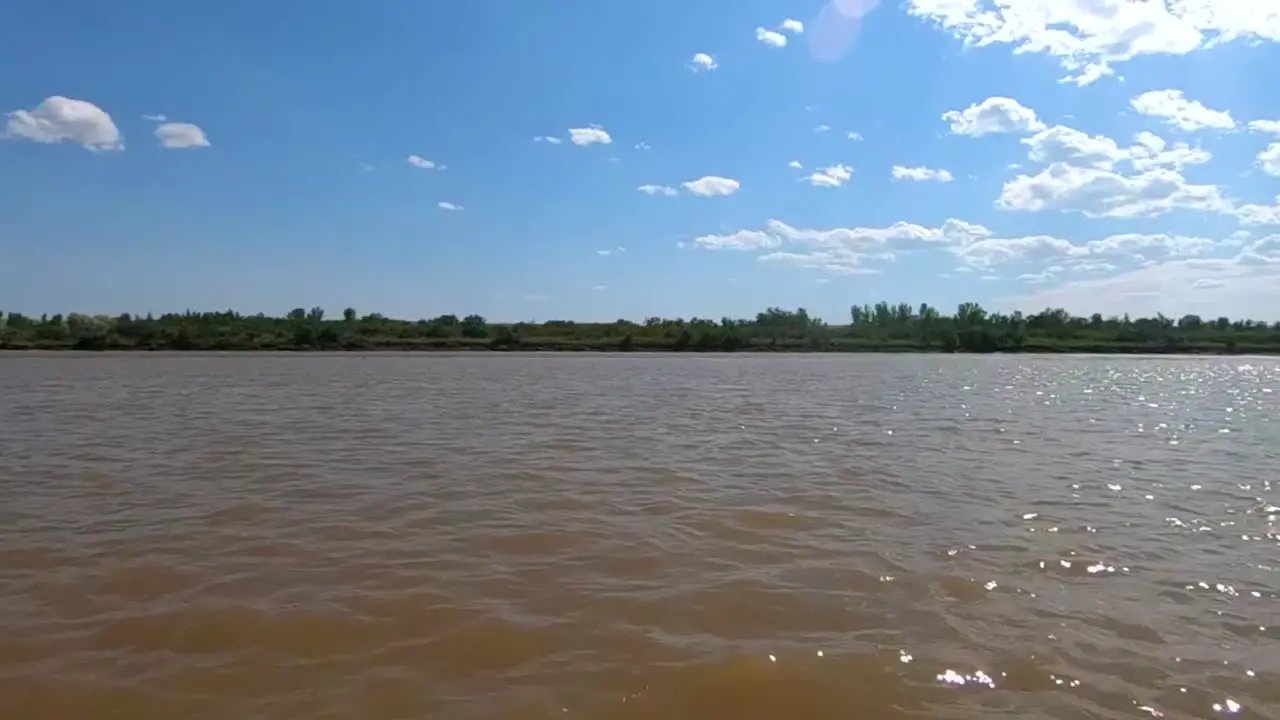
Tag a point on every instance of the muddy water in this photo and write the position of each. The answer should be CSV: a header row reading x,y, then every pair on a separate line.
x,y
638,537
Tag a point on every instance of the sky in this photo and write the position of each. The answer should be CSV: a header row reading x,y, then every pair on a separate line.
x,y
543,159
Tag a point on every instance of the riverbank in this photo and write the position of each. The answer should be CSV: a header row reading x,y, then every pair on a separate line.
x,y
621,345
881,328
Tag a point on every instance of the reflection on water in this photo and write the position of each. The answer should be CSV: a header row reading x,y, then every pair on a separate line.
x,y
638,537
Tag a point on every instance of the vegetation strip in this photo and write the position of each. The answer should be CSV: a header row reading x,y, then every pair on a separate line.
x,y
879,328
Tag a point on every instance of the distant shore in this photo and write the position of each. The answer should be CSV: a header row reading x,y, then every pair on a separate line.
x,y
881,328
830,346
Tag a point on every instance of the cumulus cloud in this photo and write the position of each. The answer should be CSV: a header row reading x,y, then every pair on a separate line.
x,y
549,139
1176,109
1237,286
1092,174
993,115
1096,192
854,135
59,118
1265,126
740,240
771,38
594,135
1255,214
795,164
1060,144
1269,159
1088,37
1041,258
831,176
795,27
921,174
423,163
821,129
839,250
1151,151
712,185
657,190
702,62
179,136
451,207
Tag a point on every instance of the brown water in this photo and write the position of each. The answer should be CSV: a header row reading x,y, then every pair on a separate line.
x,y
638,537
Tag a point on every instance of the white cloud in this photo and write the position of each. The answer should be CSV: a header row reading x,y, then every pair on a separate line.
x,y
1087,37
600,288
795,27
1265,126
451,207
1083,174
702,62
993,115
1061,144
1259,215
59,118
921,174
831,176
178,136
1152,151
549,139
1098,192
771,38
423,163
822,128
1174,108
1269,159
594,135
862,249
710,185
795,164
155,118
740,240
854,135
1264,251
657,190
1235,287
839,250
836,261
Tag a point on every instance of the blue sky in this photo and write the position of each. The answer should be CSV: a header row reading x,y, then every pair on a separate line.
x,y
1099,155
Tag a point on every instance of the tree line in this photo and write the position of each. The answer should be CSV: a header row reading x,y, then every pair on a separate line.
x,y
882,327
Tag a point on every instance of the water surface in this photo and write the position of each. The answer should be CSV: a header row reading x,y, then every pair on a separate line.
x,y
508,536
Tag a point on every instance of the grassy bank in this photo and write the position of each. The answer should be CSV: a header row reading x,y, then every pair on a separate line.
x,y
878,328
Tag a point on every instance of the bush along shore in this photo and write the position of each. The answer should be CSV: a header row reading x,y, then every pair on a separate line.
x,y
871,328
